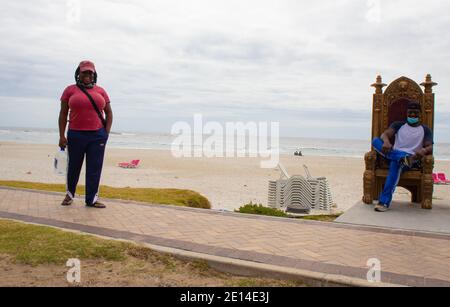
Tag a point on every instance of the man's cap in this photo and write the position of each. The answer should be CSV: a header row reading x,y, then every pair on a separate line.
x,y
87,66
414,105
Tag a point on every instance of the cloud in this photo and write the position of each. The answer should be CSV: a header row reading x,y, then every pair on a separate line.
x,y
167,59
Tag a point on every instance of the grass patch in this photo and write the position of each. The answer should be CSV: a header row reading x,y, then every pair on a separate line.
x,y
261,210
34,245
105,262
185,198
266,211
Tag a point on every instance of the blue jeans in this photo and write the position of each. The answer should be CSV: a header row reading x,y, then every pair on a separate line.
x,y
396,168
89,144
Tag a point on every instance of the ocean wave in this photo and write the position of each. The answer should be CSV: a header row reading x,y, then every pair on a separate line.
x,y
122,133
311,147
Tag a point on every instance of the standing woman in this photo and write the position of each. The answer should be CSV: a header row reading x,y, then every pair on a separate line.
x,y
88,131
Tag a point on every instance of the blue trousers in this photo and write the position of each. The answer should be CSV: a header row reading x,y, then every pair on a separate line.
x,y
396,168
89,144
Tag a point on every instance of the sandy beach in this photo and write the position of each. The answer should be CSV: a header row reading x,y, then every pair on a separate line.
x,y
227,183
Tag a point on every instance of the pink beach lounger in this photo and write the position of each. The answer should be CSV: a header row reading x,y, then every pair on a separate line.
x,y
443,178
132,164
436,180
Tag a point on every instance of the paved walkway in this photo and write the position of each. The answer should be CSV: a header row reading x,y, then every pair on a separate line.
x,y
407,258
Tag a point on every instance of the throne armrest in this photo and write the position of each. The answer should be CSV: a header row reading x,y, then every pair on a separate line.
x,y
370,158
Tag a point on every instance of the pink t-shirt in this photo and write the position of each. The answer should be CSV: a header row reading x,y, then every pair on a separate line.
x,y
82,114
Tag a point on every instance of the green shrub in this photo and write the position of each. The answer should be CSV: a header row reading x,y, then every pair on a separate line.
x,y
261,210
321,218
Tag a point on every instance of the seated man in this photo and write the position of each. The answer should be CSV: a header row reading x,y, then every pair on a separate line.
x,y
413,141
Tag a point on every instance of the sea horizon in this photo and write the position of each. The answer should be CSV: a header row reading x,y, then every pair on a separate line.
x,y
309,146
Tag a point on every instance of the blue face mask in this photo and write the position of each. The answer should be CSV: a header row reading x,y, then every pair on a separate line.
x,y
413,120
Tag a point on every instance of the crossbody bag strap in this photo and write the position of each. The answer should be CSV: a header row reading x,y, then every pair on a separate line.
x,y
93,104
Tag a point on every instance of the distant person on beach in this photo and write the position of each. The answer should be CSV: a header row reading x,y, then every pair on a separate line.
x,y
413,141
88,131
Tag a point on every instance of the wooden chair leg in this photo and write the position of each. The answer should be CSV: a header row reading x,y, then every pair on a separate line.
x,y
427,204
368,187
368,199
427,192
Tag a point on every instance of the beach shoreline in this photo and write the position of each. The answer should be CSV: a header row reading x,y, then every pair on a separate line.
x,y
227,182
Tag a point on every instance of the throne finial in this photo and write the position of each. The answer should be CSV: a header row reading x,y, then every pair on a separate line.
x,y
428,84
378,85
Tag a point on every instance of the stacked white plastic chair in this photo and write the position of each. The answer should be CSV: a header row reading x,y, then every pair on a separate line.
x,y
298,194
276,193
322,199
276,190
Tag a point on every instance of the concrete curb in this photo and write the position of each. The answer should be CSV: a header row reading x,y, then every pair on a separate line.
x,y
254,269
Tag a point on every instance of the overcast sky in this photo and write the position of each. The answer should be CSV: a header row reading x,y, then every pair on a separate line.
x,y
306,64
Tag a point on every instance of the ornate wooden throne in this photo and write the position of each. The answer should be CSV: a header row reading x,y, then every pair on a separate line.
x,y
388,107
